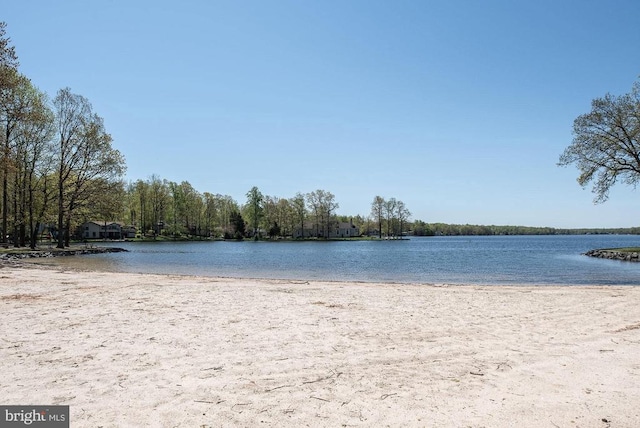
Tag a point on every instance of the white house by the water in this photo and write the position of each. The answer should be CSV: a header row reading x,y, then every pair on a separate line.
x,y
336,230
108,230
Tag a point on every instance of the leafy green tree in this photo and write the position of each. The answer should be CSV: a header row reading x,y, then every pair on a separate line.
x,y
606,143
176,200
329,205
389,212
16,104
8,60
377,212
255,201
300,211
278,211
323,205
187,208
192,208
274,230
238,225
420,228
130,204
227,206
9,79
315,206
286,217
159,197
402,214
107,200
33,189
84,157
197,215
142,193
210,212
270,214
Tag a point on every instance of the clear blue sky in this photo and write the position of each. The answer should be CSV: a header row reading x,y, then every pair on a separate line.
x,y
458,108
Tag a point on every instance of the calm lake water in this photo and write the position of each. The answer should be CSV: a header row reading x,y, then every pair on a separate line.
x,y
451,260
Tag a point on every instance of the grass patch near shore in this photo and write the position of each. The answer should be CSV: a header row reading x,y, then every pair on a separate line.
x,y
625,250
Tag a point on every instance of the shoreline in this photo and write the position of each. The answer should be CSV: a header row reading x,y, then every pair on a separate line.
x,y
75,250
171,350
615,254
49,263
53,263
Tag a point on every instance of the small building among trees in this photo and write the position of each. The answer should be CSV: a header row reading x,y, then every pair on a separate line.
x,y
106,230
337,230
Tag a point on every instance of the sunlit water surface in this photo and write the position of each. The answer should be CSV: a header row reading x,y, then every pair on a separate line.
x,y
451,260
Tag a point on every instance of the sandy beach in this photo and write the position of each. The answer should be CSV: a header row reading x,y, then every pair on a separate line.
x,y
132,350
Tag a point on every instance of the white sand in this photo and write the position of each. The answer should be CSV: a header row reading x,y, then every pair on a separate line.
x,y
164,351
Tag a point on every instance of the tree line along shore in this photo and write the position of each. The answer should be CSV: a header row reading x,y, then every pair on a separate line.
x,y
59,171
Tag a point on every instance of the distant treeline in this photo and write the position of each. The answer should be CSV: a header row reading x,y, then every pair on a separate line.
x,y
421,228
